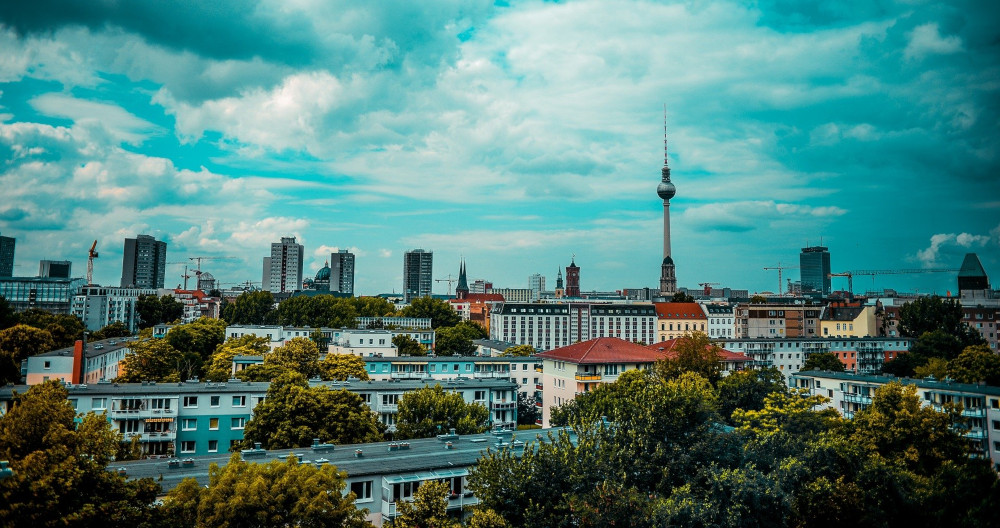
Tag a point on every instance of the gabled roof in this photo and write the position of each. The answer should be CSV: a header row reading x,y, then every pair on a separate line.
x,y
603,350
667,348
842,313
679,310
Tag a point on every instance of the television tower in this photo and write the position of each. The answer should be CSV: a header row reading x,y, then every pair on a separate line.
x,y
666,191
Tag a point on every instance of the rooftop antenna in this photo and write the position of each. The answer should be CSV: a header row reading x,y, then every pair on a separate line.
x,y
664,134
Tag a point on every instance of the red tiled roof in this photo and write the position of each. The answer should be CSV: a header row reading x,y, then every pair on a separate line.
x,y
679,310
667,347
603,350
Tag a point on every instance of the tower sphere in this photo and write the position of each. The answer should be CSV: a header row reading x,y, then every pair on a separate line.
x,y
666,190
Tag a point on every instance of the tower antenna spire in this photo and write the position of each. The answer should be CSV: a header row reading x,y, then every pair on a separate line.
x,y
664,134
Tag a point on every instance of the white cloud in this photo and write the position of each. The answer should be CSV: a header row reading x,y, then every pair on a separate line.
x,y
926,39
928,256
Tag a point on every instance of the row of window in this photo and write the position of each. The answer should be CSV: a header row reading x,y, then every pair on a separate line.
x,y
191,424
191,402
188,446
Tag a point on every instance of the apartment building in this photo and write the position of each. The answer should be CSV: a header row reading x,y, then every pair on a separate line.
x,y
777,320
99,306
335,337
674,319
99,362
980,404
860,354
519,370
721,320
196,418
579,368
547,326
848,321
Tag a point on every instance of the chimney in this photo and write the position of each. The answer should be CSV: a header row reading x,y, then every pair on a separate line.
x,y
77,376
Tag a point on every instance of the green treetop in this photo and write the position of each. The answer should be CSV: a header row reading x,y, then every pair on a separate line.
x,y
429,411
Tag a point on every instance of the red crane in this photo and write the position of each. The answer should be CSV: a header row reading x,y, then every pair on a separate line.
x,y
91,255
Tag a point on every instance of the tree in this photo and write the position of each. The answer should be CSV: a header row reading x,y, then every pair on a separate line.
x,y
65,329
928,314
155,360
250,308
279,493
473,329
373,307
790,412
220,367
975,364
60,476
748,390
439,312
823,361
455,341
429,411
115,329
153,310
937,367
428,509
758,299
299,355
681,297
520,351
317,311
293,414
8,317
527,411
692,353
17,343
197,340
407,346
339,367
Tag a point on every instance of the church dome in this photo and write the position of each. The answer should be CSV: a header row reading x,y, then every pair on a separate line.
x,y
323,273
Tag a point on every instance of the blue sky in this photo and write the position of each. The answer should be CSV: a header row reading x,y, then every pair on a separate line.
x,y
516,134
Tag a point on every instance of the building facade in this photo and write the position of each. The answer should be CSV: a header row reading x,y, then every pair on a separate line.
x,y
573,280
144,262
536,283
45,293
814,267
62,269
774,320
547,326
418,278
7,256
674,319
721,320
860,354
283,269
519,370
342,271
99,362
980,404
99,306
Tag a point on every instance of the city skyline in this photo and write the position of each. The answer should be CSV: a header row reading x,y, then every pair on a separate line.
x,y
508,135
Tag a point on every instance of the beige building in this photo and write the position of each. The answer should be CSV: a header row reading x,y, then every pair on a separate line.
x,y
849,321
674,319
777,320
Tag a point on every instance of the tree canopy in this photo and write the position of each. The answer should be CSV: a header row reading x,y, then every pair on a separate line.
x,y
17,343
456,340
153,310
430,411
250,308
59,476
293,414
693,352
941,332
65,329
220,366
520,351
823,361
438,311
976,363
154,359
429,508
115,329
339,367
407,346
278,493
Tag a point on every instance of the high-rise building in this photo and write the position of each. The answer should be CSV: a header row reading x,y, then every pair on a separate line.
x,y
536,283
55,268
418,267
972,276
6,256
342,271
144,262
666,190
283,269
814,266
462,290
573,279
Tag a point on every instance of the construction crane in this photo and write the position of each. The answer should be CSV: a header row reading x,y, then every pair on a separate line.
x,y
91,255
850,274
708,286
780,268
197,270
449,280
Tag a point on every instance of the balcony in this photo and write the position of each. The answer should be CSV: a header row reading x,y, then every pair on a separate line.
x,y
491,374
538,386
456,501
587,376
975,434
974,412
857,398
539,404
503,405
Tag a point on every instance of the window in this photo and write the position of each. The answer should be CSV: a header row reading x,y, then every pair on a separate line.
x,y
362,490
456,367
190,401
189,424
524,366
213,424
73,402
390,399
187,446
213,446
48,364
214,402
99,403
239,401
480,395
239,423
996,425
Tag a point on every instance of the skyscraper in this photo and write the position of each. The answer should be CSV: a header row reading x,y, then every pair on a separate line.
x,y
666,190
342,271
144,262
536,283
972,276
283,269
814,267
573,279
6,256
418,266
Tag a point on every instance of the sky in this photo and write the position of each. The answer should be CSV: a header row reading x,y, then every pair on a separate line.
x,y
516,135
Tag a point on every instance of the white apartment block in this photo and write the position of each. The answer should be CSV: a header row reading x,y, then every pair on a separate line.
x,y
546,326
859,354
99,306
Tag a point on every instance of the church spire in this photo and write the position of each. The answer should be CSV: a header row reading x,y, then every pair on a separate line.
x,y
462,290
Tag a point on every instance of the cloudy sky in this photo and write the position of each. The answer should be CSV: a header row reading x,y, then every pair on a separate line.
x,y
514,133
